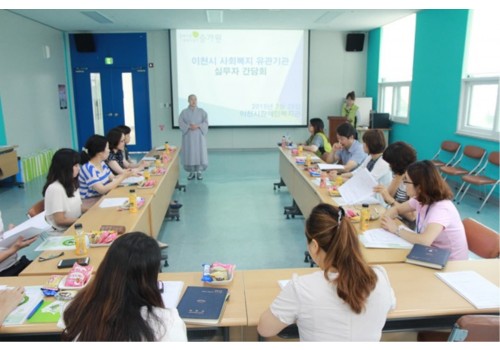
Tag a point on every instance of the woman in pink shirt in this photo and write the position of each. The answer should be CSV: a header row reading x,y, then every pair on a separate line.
x,y
438,222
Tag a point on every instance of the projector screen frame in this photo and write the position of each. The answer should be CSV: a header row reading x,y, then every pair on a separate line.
x,y
174,85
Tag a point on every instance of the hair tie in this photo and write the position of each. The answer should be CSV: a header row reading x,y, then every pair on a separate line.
x,y
341,214
85,150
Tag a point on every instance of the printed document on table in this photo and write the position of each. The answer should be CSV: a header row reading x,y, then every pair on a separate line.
x,y
57,243
380,238
358,187
113,202
132,180
326,166
171,293
478,291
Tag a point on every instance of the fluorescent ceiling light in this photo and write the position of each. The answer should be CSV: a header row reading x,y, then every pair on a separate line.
x,y
97,16
328,17
215,16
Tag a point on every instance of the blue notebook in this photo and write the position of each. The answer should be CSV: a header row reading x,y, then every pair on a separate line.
x,y
202,305
433,257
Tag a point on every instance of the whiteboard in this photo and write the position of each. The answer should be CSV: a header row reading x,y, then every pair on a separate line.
x,y
365,105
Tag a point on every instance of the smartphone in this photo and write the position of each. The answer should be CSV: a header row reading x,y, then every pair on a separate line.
x,y
66,263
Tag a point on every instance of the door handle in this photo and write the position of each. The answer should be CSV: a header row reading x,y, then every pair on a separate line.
x,y
110,114
116,114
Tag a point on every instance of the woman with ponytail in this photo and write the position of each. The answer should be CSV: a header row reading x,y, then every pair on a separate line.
x,y
347,300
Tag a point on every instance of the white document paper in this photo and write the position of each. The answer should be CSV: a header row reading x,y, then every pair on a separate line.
x,y
476,289
358,187
28,229
133,180
380,238
149,159
326,166
113,202
171,293
283,283
33,296
57,243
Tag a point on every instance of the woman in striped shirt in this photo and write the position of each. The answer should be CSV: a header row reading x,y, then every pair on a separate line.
x,y
95,177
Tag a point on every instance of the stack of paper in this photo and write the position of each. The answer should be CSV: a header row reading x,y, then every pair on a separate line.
x,y
358,188
380,238
171,293
478,291
326,166
28,229
113,202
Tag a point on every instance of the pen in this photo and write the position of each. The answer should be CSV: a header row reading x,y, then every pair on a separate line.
x,y
35,309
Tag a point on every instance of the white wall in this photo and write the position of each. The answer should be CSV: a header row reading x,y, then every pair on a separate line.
x,y
33,120
28,85
333,73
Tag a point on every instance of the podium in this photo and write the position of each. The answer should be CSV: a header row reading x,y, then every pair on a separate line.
x,y
333,123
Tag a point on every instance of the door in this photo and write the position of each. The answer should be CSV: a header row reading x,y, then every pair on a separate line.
x,y
111,87
111,96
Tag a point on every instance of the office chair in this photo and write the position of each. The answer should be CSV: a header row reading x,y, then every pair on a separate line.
x,y
481,180
482,240
279,184
469,328
36,209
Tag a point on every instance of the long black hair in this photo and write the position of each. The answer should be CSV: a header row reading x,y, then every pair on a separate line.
x,y
109,308
94,145
61,169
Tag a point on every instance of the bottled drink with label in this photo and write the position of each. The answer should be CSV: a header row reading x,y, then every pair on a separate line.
x,y
132,200
80,240
146,173
365,217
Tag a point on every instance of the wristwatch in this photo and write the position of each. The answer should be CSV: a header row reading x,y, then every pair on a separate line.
x,y
398,231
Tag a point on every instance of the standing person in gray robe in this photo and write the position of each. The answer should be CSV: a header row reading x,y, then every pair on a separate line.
x,y
193,122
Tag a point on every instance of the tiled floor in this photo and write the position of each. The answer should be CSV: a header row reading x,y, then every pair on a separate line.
x,y
233,215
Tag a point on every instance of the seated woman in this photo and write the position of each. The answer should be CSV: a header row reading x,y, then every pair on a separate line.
x,y
116,160
63,205
373,145
95,178
10,265
438,222
399,155
347,300
122,302
318,142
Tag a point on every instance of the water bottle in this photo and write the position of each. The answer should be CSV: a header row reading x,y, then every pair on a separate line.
x,y
146,174
80,240
167,149
365,217
132,201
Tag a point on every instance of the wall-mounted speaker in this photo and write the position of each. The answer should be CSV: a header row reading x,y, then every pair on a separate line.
x,y
84,42
355,42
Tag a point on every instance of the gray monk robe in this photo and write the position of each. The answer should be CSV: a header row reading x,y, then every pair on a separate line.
x,y
194,142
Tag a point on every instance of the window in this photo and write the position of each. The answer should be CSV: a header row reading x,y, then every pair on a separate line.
x,y
396,68
479,102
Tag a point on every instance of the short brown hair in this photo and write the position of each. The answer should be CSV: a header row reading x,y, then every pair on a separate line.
x,y
374,140
431,185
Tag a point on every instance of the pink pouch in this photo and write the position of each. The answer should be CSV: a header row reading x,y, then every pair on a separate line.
x,y
78,276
